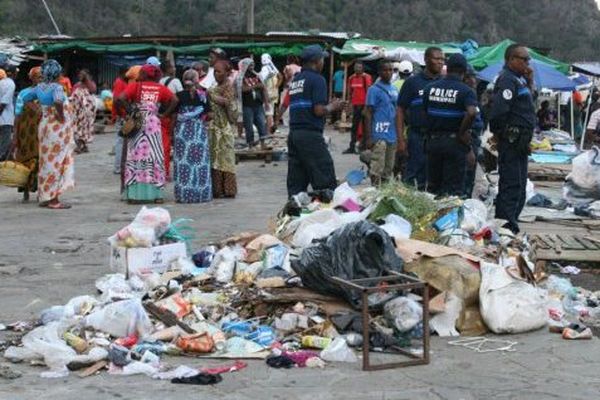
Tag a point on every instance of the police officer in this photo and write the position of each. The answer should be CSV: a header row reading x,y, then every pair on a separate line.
x,y
476,130
410,106
512,119
450,107
309,160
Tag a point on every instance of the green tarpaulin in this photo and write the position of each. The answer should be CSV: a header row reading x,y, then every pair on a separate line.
x,y
362,47
274,48
490,55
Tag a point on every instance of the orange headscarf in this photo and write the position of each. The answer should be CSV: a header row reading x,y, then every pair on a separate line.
x,y
2,74
133,73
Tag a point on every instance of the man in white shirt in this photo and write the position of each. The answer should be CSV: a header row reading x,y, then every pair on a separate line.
x,y
592,133
7,111
169,79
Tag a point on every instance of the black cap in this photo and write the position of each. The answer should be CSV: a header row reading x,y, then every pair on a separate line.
x,y
313,52
457,61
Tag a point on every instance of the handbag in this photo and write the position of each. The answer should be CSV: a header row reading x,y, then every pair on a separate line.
x,y
134,120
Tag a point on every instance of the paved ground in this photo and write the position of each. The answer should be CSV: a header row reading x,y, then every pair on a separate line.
x,y
47,257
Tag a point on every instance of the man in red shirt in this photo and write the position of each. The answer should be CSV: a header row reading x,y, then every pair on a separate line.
x,y
358,83
118,113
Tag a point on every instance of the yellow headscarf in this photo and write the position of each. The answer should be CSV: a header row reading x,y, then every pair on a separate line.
x,y
133,73
2,74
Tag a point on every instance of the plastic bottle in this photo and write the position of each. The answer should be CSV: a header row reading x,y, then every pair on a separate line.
x,y
315,342
77,343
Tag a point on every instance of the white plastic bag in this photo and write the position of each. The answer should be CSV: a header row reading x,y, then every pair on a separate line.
x,y
47,342
316,226
403,312
344,192
474,215
509,305
121,319
149,224
223,265
582,185
338,351
397,227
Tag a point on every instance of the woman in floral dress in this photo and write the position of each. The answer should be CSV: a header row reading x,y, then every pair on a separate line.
x,y
222,133
192,151
56,170
144,174
84,109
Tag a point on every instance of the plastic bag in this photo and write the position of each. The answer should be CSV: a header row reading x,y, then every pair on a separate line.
x,y
256,247
338,351
474,215
343,193
223,265
316,226
148,225
403,313
121,319
113,285
582,185
357,250
397,227
47,342
509,305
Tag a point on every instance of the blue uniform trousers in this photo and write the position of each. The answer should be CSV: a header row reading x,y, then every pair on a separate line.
x,y
309,162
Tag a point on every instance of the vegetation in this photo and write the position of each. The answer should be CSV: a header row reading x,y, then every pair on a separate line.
x,y
568,28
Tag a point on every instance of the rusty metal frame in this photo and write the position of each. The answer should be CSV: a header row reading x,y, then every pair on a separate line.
x,y
407,283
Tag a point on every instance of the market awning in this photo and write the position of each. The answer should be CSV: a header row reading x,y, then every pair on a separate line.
x,y
273,48
590,68
369,49
545,76
490,55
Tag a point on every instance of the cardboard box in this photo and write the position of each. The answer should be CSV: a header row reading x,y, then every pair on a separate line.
x,y
144,261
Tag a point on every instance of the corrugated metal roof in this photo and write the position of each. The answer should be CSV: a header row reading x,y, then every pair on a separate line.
x,y
13,50
335,35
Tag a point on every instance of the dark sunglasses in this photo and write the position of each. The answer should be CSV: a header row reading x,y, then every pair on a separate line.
x,y
526,59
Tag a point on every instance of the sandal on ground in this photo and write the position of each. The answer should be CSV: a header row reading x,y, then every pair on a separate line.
x,y
59,206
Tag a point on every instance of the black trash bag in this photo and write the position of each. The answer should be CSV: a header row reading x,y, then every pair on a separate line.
x,y
354,251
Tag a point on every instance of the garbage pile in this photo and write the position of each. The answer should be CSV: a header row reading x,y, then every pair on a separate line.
x,y
279,296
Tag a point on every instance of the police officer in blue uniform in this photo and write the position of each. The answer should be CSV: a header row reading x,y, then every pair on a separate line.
x,y
450,107
512,120
309,160
410,108
476,131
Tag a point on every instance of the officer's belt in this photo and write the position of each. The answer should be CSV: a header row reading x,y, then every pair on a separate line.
x,y
442,134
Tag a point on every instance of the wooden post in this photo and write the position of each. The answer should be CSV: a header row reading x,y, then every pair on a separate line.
x,y
344,89
558,108
572,122
331,71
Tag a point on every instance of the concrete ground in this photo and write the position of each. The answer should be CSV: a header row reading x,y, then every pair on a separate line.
x,y
47,257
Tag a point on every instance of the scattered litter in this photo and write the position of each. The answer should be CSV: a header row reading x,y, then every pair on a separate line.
x,y
481,344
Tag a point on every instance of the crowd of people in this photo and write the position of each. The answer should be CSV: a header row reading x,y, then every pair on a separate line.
x,y
189,123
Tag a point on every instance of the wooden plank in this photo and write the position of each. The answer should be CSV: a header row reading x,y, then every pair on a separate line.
x,y
568,255
570,243
167,317
93,369
557,242
541,242
587,244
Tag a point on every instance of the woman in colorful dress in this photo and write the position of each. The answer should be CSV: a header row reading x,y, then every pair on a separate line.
x,y
144,173
222,133
27,145
55,133
192,150
83,102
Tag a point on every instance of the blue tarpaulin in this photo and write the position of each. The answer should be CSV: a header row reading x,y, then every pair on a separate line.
x,y
544,76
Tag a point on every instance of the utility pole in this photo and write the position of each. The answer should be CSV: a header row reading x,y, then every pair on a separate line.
x,y
250,11
51,17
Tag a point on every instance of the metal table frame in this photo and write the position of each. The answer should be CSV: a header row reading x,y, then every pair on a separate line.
x,y
406,283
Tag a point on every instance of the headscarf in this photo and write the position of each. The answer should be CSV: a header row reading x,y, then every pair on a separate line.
x,y
243,66
268,69
190,78
2,74
133,73
51,70
151,72
35,74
